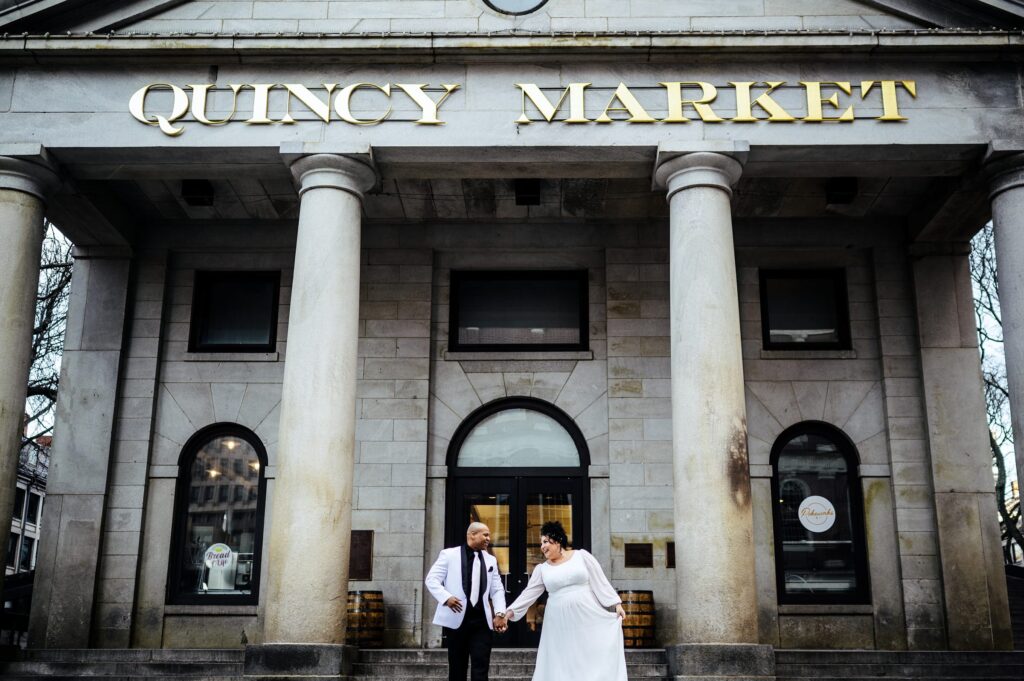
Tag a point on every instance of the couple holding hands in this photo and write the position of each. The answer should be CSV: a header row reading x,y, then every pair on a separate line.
x,y
582,634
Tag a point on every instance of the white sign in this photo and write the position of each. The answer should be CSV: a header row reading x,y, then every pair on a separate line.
x,y
817,514
218,556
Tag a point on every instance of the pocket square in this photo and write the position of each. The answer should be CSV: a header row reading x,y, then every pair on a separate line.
x,y
490,569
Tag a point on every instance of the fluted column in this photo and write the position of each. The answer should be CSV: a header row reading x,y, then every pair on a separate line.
x,y
312,494
23,189
1007,196
716,593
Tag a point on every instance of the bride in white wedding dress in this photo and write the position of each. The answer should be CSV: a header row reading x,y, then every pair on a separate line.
x,y
581,639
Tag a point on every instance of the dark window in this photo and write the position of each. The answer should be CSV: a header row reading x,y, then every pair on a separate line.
x,y
234,312
215,554
804,310
12,549
639,555
504,311
27,545
360,561
670,554
19,504
820,549
32,513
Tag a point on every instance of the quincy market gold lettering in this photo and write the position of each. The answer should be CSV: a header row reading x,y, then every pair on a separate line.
x,y
684,102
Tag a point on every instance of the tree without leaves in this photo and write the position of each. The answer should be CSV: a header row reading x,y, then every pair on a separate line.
x,y
51,318
990,329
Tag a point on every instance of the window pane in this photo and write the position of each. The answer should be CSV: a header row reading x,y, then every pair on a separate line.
x,y
32,515
524,309
493,510
12,549
818,549
19,504
220,527
27,544
518,438
802,309
234,309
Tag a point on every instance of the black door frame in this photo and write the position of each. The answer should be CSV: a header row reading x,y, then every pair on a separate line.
x,y
519,482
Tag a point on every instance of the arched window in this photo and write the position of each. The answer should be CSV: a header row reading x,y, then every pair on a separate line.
x,y
820,551
218,518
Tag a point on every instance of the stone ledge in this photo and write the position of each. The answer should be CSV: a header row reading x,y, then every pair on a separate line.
x,y
808,354
733,661
846,609
211,610
269,661
231,357
520,356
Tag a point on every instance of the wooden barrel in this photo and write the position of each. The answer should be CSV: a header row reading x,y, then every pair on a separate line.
x,y
638,627
365,625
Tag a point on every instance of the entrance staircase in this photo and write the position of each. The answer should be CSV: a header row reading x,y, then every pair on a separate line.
x,y
506,665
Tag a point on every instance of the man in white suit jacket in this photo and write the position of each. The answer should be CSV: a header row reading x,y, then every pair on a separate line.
x,y
467,613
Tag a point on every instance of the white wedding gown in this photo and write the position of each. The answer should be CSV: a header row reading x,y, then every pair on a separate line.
x,y
580,638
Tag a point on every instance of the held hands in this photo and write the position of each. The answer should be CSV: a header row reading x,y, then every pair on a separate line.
x,y
620,612
454,603
500,623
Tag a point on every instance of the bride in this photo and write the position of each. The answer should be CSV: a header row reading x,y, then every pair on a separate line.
x,y
581,639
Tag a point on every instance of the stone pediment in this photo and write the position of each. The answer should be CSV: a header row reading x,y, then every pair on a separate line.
x,y
475,16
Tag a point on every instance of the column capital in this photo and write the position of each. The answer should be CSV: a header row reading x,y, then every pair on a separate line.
x,y
1004,172
697,169
354,174
33,175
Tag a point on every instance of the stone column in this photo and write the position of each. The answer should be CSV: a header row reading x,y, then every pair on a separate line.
x,y
23,188
65,587
312,497
715,582
973,580
1007,195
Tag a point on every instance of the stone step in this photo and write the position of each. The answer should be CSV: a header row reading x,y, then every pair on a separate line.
x,y
106,669
498,655
432,670
827,657
822,677
902,671
136,655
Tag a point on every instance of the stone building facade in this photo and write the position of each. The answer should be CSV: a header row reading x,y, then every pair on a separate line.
x,y
349,161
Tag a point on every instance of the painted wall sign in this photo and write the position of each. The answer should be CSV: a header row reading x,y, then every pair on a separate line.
x,y
671,102
817,514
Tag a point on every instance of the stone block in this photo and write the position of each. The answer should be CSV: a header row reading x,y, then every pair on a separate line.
x,y
721,660
827,632
271,660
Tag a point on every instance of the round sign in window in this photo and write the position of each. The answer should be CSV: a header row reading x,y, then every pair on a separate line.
x,y
516,6
817,514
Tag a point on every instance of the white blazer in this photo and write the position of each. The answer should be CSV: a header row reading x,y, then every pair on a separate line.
x,y
445,580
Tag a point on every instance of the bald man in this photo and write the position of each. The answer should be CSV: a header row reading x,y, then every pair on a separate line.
x,y
467,587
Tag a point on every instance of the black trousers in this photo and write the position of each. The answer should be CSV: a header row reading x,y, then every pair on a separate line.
x,y
470,643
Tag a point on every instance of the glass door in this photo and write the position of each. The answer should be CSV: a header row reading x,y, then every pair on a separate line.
x,y
515,509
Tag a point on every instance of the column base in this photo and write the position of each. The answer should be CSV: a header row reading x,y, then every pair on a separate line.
x,y
298,661
724,661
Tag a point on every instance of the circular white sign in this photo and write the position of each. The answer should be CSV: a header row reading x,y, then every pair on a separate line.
x,y
218,555
817,514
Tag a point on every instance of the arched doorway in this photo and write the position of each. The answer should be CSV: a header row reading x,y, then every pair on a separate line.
x,y
516,464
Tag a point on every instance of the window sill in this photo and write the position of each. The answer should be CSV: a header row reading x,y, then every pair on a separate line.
x,y
520,356
211,610
837,609
232,356
808,354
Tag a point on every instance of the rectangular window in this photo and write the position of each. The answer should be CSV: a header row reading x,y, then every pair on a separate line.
x,y
234,312
12,549
804,310
519,311
19,505
32,514
27,545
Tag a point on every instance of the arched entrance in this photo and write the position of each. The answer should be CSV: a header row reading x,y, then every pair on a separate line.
x,y
516,464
